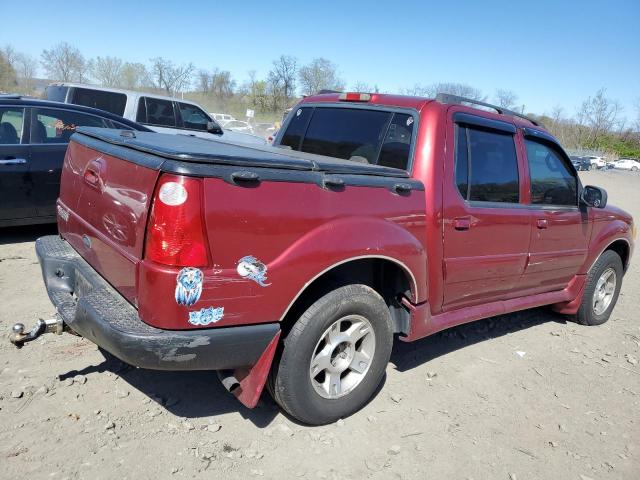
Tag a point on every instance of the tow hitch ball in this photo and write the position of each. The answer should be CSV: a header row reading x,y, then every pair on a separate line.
x,y
19,337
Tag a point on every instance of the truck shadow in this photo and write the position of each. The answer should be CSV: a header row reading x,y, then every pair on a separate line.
x,y
29,233
406,356
188,395
194,395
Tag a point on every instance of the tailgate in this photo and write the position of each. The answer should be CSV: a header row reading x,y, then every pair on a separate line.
x,y
102,210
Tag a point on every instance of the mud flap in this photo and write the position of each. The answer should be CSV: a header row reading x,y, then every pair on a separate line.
x,y
251,380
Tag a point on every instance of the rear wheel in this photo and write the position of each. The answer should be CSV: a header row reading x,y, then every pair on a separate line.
x,y
334,357
634,169
601,290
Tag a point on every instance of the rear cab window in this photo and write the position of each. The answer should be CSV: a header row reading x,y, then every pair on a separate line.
x,y
364,135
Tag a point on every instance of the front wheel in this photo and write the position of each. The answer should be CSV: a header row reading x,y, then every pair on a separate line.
x,y
334,357
634,169
601,290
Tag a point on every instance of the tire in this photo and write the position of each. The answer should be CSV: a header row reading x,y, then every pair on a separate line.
x,y
331,330
634,169
593,311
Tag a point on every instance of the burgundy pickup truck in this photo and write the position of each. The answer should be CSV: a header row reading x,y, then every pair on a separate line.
x,y
295,266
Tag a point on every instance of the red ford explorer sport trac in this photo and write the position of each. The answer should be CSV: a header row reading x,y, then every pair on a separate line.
x,y
296,265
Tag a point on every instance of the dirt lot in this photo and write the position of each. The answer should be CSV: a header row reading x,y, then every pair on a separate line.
x,y
523,396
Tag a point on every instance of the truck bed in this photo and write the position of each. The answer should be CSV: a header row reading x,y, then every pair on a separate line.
x,y
185,148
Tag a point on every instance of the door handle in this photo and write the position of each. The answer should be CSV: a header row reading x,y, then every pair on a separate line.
x,y
462,223
542,223
13,161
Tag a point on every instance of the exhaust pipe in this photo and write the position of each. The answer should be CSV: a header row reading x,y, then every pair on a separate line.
x,y
18,336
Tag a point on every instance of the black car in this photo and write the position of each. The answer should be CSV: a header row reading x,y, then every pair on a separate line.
x,y
33,140
581,163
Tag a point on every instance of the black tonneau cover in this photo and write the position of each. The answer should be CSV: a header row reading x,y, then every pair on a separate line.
x,y
188,148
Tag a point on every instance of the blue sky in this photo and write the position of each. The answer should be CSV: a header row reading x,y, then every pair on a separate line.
x,y
548,52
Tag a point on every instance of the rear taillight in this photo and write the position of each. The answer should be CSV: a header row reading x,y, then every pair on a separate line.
x,y
175,234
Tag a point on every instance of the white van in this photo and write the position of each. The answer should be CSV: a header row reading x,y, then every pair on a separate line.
x,y
159,113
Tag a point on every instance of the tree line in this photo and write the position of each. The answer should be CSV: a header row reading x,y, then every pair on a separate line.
x,y
598,125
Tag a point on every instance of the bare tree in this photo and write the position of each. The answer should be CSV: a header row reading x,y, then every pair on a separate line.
x,y
8,80
169,77
65,62
283,76
222,84
24,67
203,80
364,87
108,71
600,114
506,98
320,74
134,76
452,88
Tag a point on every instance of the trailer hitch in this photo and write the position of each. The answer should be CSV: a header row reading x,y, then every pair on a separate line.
x,y
19,337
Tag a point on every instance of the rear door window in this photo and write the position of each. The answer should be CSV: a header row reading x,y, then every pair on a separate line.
x,y
486,167
192,117
113,102
11,125
363,135
51,125
160,112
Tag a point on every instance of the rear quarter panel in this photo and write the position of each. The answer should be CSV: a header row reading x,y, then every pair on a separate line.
x,y
298,230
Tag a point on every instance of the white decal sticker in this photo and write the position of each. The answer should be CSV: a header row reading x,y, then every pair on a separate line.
x,y
409,121
188,286
253,269
206,316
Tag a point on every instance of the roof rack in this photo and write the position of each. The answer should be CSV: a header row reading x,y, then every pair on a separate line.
x,y
447,98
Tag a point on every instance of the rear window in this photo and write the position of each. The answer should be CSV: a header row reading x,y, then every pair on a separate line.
x,y
56,93
113,102
368,136
57,125
160,112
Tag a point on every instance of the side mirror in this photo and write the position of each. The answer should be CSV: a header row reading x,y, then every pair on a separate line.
x,y
213,127
595,197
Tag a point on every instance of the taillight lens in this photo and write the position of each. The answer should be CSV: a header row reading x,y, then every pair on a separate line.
x,y
175,234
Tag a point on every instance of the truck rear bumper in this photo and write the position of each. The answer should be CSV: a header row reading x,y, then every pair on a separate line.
x,y
90,306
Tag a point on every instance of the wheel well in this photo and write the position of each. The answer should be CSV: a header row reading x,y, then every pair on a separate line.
x,y
386,277
622,249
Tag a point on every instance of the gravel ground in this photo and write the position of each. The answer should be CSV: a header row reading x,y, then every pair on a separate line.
x,y
522,396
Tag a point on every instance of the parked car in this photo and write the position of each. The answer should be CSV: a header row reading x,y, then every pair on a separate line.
x,y
373,216
627,164
264,129
581,163
34,135
239,126
222,118
597,162
159,113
